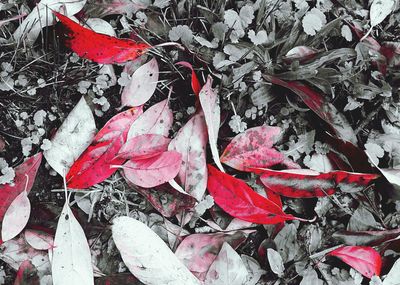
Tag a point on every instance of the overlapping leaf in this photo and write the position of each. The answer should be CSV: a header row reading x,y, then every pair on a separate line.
x,y
27,274
144,146
16,216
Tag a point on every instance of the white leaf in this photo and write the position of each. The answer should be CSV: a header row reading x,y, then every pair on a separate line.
x,y
72,138
346,33
16,217
258,39
210,103
227,269
181,32
147,256
39,240
393,277
100,26
318,162
275,262
253,268
379,10
142,85
313,21
42,16
71,261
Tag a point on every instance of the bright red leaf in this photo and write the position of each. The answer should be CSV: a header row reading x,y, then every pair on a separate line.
x,y
195,81
305,183
24,178
93,166
364,259
236,198
99,47
144,146
254,148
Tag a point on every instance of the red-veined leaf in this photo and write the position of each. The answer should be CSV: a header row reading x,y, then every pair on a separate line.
x,y
144,146
195,81
93,166
142,85
320,106
364,259
236,198
27,274
210,104
156,120
191,141
254,148
21,182
305,183
99,47
153,171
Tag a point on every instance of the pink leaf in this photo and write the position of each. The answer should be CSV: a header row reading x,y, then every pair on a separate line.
x,y
153,171
39,240
191,141
142,85
144,146
156,120
364,259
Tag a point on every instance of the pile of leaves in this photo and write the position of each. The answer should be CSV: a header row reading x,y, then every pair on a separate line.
x,y
199,142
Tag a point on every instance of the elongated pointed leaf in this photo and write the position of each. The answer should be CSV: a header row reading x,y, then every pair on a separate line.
x,y
364,259
144,146
142,85
99,47
72,138
195,81
71,262
393,276
153,171
191,141
210,104
24,178
147,256
156,120
365,237
236,198
304,183
93,166
16,217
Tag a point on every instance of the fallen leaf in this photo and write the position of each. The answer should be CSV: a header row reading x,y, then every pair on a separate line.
x,y
147,256
142,85
379,10
227,268
365,237
118,279
156,120
101,8
93,166
236,198
198,251
97,47
209,102
153,171
16,216
275,262
364,259
71,262
144,146
72,138
393,277
39,240
304,183
27,274
300,53
24,178
195,81
191,141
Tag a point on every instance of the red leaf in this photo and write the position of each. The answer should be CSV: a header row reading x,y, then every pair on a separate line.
x,y
320,105
27,274
364,259
153,171
99,47
93,166
9,192
195,81
144,146
304,183
254,148
236,198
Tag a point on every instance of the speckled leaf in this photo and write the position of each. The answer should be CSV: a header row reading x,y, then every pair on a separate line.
x,y
227,268
93,166
156,120
71,262
364,259
191,141
147,256
142,85
153,171
24,178
144,146
210,104
97,47
72,138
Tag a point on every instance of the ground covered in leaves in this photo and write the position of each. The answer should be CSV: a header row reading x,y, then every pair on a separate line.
x,y
200,142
